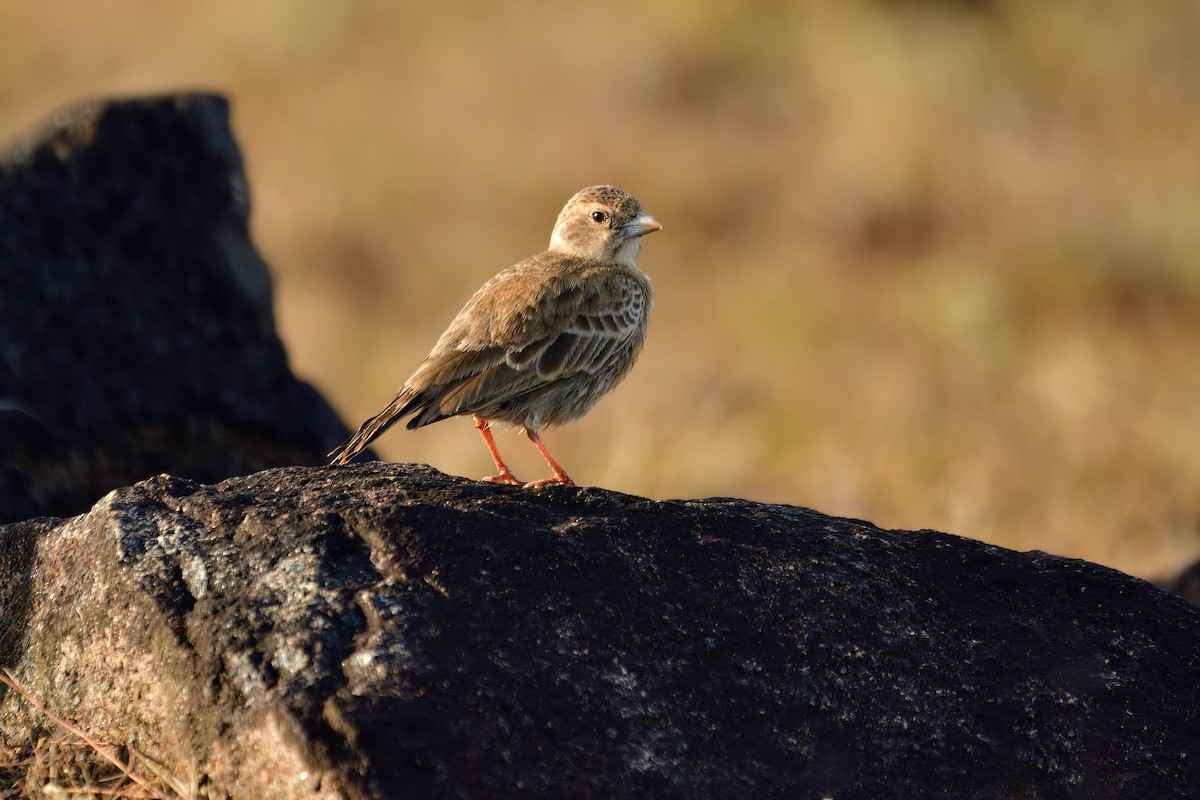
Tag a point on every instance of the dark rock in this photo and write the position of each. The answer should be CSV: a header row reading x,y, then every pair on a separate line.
x,y
1186,584
385,631
136,330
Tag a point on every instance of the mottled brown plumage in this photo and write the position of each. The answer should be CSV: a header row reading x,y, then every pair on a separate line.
x,y
542,341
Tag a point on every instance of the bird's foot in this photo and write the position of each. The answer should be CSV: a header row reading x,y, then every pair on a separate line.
x,y
557,480
505,476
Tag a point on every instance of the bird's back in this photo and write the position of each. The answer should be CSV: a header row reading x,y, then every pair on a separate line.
x,y
538,344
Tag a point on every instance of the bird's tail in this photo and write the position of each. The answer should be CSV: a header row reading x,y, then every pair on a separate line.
x,y
400,406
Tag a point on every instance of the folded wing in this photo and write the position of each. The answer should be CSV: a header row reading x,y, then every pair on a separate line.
x,y
576,326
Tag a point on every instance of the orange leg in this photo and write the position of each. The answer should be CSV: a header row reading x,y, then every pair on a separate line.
x,y
560,475
504,474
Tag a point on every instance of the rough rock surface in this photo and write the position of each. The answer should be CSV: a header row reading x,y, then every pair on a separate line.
x,y
136,329
382,630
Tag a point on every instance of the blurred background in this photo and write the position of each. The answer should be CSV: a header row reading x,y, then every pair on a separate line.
x,y
930,264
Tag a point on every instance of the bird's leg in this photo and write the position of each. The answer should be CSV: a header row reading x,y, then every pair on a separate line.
x,y
560,475
503,473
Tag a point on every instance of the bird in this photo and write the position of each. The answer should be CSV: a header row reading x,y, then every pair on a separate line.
x,y
541,342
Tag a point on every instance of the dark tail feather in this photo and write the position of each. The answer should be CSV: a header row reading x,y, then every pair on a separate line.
x,y
400,406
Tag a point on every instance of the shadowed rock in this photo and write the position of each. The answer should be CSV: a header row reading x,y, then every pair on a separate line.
x,y
136,330
1186,584
385,631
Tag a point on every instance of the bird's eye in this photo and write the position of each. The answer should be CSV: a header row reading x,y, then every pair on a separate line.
x,y
599,217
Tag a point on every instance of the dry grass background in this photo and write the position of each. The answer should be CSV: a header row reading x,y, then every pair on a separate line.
x,y
933,264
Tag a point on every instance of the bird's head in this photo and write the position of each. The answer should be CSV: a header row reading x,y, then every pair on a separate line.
x,y
604,224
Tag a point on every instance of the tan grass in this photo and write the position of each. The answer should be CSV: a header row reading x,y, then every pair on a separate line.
x,y
75,764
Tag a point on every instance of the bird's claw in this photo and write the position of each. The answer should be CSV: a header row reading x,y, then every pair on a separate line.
x,y
505,477
555,481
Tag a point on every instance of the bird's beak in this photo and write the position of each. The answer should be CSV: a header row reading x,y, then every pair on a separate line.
x,y
640,225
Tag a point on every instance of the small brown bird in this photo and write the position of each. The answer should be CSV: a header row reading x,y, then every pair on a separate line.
x,y
542,341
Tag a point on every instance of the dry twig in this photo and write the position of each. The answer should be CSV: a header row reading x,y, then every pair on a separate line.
x,y
100,749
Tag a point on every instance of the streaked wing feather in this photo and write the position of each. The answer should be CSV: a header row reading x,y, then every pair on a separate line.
x,y
440,371
575,325
522,357
494,387
609,312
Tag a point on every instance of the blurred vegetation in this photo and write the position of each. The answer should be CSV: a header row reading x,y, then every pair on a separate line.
x,y
932,264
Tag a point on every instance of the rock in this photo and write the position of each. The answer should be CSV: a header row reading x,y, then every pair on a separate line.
x,y
384,631
1186,584
136,329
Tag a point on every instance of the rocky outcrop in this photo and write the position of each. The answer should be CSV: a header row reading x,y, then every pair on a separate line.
x,y
382,630
136,329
